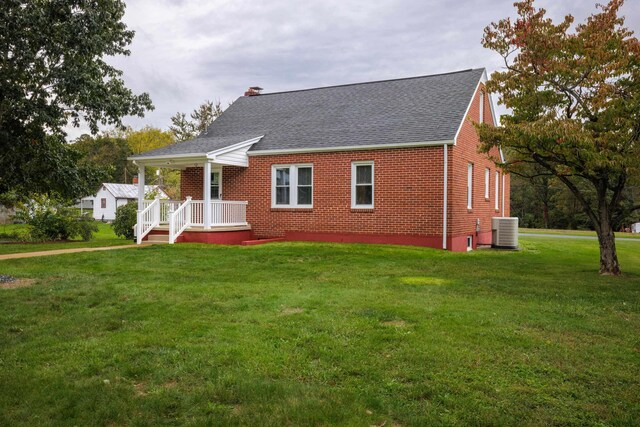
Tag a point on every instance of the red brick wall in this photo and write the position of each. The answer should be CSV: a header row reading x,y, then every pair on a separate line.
x,y
191,183
462,221
407,195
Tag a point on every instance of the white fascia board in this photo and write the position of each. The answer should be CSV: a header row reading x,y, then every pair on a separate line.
x,y
483,79
493,112
140,160
214,153
348,148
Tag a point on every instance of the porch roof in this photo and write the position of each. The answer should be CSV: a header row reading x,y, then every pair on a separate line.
x,y
223,150
200,146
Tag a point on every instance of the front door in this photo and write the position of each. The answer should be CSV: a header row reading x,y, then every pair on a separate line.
x,y
216,193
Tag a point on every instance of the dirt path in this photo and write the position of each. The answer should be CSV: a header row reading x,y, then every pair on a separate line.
x,y
66,251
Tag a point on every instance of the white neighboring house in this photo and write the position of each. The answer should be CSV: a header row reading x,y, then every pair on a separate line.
x,y
110,196
635,228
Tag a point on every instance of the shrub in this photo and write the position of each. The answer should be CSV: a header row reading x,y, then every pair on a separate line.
x,y
85,227
126,218
50,219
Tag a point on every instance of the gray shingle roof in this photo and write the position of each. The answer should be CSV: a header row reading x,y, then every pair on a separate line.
x,y
416,109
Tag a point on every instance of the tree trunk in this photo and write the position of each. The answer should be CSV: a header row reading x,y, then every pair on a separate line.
x,y
608,255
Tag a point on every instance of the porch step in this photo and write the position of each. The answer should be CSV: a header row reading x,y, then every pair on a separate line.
x,y
158,238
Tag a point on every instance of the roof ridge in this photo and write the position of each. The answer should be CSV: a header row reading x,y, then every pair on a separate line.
x,y
366,83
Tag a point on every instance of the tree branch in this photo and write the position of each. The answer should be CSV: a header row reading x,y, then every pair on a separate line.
x,y
617,192
572,187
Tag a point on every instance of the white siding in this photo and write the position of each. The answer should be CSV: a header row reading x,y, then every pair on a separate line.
x,y
108,213
236,157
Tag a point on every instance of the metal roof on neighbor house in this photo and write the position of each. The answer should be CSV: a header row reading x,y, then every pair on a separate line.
x,y
130,191
410,110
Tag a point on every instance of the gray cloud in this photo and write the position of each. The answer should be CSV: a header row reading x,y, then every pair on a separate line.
x,y
187,51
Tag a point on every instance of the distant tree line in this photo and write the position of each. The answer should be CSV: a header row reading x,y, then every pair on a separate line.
x,y
543,202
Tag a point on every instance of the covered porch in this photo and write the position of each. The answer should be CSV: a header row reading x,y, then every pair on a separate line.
x,y
196,215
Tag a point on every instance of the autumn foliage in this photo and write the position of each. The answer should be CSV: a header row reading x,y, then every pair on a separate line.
x,y
574,100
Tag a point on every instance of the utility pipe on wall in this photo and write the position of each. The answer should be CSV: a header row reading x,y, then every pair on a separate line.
x,y
444,198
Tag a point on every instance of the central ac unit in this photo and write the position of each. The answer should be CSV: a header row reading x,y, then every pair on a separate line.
x,y
504,232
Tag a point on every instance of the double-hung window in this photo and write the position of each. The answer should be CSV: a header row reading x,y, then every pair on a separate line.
x,y
481,108
292,186
362,187
497,205
487,180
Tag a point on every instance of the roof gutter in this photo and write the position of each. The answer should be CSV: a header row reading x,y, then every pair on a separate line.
x,y
350,148
142,159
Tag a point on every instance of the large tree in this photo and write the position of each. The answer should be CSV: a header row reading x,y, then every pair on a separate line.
x,y
148,138
185,129
574,96
108,153
53,72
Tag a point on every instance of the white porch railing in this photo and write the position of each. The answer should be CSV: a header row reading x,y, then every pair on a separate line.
x,y
182,215
228,213
166,206
179,220
148,218
197,213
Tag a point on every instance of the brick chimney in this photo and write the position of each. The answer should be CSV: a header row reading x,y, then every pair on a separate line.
x,y
253,91
135,179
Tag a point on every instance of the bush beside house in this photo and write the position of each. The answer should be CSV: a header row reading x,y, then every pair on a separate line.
x,y
126,218
50,220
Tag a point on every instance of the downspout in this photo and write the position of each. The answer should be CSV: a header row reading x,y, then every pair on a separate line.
x,y
502,211
444,198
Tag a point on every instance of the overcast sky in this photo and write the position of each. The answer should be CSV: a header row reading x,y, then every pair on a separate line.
x,y
186,51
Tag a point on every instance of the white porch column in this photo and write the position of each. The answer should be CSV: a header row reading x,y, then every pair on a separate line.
x,y
140,187
207,195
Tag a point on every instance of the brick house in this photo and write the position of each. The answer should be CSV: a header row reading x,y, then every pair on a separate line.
x,y
392,161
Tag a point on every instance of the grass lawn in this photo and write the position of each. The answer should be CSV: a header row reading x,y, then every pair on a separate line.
x,y
104,237
574,232
322,334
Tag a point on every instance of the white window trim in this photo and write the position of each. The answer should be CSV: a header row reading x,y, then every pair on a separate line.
x,y
497,195
470,186
469,243
487,183
293,186
481,108
353,184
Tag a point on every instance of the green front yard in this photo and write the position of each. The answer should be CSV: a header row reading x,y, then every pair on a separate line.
x,y
104,237
322,334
